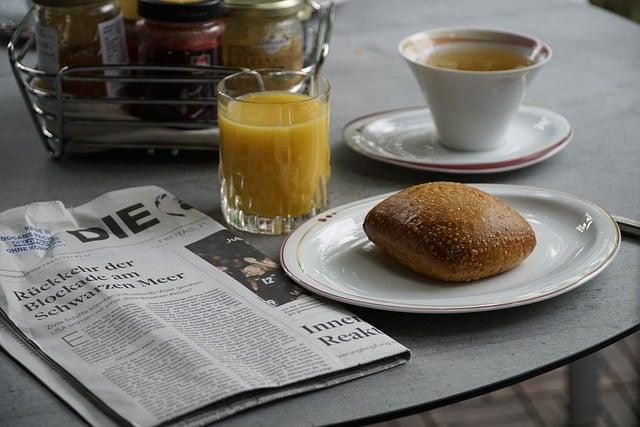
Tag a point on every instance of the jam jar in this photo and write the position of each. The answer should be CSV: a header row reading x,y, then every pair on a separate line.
x,y
178,34
263,34
79,33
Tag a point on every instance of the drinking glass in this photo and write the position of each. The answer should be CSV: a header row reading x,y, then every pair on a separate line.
x,y
274,148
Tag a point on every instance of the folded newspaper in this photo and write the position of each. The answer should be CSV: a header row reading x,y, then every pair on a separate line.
x,y
137,309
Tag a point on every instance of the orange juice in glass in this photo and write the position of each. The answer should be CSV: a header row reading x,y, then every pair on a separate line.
x,y
274,148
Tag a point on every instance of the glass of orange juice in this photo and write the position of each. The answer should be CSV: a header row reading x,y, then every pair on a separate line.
x,y
274,148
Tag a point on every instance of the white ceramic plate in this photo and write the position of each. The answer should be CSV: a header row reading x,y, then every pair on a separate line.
x,y
408,138
331,256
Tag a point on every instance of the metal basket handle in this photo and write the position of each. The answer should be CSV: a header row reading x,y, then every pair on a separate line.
x,y
326,12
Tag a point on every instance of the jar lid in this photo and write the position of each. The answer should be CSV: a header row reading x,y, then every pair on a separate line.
x,y
167,11
278,6
66,3
129,9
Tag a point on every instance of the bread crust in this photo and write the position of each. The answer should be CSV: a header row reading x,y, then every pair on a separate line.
x,y
450,231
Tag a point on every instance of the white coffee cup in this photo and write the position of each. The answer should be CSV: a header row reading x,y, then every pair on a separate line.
x,y
472,110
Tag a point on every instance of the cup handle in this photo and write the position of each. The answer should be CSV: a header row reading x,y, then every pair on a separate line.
x,y
325,11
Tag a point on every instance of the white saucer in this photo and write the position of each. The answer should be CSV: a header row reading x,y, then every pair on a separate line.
x,y
331,256
407,137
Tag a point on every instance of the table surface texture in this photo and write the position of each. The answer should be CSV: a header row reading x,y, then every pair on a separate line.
x,y
593,80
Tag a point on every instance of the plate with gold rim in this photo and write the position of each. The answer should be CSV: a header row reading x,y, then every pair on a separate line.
x,y
331,255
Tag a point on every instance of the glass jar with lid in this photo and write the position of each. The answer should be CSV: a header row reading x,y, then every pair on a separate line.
x,y
79,33
263,34
177,34
186,33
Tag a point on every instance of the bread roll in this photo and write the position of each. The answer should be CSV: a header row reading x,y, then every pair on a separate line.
x,y
450,231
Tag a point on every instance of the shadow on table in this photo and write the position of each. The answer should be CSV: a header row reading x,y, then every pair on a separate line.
x,y
459,330
124,156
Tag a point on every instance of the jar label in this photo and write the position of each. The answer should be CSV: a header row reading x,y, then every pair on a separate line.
x,y
273,46
202,59
113,46
48,53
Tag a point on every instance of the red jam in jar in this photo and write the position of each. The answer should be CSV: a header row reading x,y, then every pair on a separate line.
x,y
178,34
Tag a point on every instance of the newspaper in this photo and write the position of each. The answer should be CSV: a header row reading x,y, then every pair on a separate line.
x,y
143,307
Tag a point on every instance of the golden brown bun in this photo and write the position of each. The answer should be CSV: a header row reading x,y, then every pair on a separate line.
x,y
450,231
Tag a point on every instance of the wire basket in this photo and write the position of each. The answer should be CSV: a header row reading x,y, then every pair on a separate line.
x,y
72,123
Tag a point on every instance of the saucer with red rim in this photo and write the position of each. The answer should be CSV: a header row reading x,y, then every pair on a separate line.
x,y
407,137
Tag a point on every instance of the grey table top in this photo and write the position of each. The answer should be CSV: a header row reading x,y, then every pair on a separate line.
x,y
593,80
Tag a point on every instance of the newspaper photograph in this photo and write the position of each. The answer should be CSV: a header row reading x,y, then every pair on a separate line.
x,y
145,308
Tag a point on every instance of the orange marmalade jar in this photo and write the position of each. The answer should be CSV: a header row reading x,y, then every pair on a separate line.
x,y
72,33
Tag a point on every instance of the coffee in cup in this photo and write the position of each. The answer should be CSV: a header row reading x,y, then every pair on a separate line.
x,y
478,59
473,80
